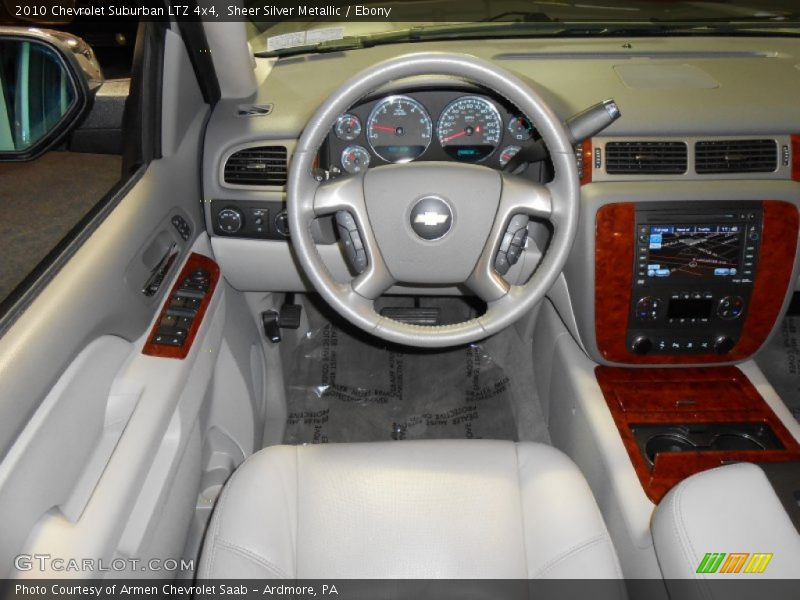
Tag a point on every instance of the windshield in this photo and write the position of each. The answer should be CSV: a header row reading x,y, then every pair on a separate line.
x,y
291,28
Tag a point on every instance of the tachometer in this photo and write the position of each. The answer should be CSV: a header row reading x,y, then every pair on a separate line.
x,y
470,128
399,129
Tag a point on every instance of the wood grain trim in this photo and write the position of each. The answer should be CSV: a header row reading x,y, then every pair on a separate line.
x,y
671,468
614,249
586,161
613,279
180,352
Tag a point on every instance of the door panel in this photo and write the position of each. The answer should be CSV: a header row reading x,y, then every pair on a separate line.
x,y
82,401
104,439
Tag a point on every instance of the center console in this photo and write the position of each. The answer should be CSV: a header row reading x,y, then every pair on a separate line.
x,y
690,282
677,422
692,277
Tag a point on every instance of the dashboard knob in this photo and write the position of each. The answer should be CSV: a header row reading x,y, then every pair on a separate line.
x,y
230,220
649,308
730,308
282,223
642,345
723,344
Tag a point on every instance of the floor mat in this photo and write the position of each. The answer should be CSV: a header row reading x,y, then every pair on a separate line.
x,y
342,387
780,362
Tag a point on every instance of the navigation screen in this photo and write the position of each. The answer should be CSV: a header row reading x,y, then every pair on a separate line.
x,y
694,250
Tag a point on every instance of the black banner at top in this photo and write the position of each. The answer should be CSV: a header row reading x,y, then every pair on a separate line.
x,y
776,13
61,11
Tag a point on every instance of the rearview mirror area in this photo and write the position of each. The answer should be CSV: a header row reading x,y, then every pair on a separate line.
x,y
44,91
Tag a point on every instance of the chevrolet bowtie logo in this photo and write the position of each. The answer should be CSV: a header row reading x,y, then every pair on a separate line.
x,y
430,218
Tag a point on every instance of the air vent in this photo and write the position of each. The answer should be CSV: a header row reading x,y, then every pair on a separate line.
x,y
736,156
264,165
645,158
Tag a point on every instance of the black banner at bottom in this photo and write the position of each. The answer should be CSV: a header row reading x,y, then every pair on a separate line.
x,y
409,589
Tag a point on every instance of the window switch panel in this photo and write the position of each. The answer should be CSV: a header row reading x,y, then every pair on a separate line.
x,y
182,313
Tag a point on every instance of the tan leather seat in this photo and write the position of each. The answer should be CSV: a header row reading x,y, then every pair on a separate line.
x,y
416,509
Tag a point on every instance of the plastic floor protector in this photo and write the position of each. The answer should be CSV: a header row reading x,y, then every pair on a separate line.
x,y
780,362
344,387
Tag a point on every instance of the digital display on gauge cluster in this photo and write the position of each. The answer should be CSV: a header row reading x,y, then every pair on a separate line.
x,y
694,251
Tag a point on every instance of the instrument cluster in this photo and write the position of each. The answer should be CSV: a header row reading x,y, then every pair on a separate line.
x,y
437,125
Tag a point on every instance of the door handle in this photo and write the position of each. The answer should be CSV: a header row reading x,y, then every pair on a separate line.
x,y
159,272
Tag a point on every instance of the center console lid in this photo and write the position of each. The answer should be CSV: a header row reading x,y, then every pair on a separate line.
x,y
727,523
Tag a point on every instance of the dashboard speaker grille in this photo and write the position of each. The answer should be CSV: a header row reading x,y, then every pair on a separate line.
x,y
646,158
736,156
263,165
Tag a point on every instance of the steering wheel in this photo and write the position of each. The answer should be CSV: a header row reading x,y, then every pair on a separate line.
x,y
433,223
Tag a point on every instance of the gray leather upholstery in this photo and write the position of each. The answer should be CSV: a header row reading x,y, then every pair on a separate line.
x,y
731,509
416,509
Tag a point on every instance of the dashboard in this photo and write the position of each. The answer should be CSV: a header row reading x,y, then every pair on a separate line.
x,y
453,125
692,144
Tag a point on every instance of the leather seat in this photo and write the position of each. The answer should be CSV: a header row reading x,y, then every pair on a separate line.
x,y
731,514
416,509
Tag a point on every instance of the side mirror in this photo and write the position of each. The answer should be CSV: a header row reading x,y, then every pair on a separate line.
x,y
47,85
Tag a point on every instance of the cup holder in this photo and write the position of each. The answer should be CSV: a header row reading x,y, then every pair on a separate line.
x,y
667,443
736,441
655,439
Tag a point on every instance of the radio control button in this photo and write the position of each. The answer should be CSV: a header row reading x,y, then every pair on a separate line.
x,y
723,344
641,345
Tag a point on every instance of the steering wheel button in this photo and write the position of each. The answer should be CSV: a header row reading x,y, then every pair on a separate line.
x,y
518,222
346,220
349,251
501,264
507,238
360,262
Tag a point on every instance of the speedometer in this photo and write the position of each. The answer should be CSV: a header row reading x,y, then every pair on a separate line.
x,y
399,129
470,128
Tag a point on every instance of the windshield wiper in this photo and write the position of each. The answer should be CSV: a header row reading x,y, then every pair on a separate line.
x,y
533,28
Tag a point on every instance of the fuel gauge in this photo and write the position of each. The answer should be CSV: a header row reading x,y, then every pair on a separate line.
x,y
520,128
355,159
348,127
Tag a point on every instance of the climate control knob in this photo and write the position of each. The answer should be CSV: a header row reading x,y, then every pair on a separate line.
x,y
649,308
642,345
230,220
723,344
730,308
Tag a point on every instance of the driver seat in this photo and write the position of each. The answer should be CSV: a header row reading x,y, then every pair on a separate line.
x,y
415,509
